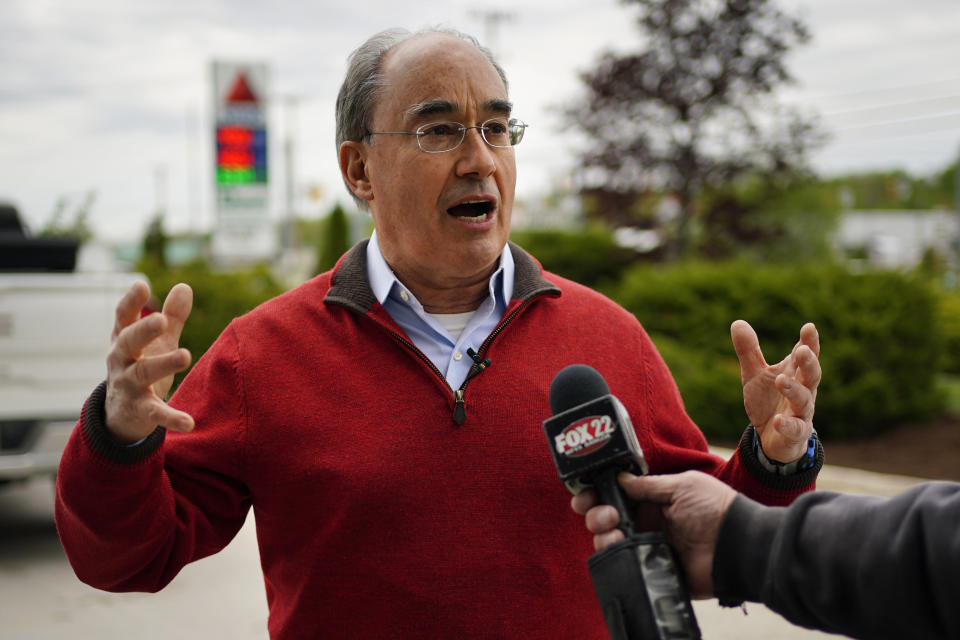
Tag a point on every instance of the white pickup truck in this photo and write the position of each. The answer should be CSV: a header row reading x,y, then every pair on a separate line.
x,y
55,325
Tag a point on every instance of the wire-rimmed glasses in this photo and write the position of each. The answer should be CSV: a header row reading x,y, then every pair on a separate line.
x,y
439,137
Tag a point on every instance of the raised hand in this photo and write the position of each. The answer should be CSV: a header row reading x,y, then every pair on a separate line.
x,y
779,398
144,357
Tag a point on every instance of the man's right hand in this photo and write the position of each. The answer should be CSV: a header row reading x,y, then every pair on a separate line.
x,y
143,358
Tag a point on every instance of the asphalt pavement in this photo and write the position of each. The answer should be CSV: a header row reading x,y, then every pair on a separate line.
x,y
223,596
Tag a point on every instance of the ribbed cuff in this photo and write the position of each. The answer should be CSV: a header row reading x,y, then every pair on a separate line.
x,y
768,478
99,438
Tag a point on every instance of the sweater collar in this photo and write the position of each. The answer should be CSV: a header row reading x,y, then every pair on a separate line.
x,y
383,281
351,288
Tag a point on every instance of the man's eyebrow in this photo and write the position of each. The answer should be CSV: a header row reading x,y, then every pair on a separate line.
x,y
503,107
430,108
433,107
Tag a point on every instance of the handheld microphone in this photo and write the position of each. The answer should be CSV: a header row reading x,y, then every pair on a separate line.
x,y
592,438
637,581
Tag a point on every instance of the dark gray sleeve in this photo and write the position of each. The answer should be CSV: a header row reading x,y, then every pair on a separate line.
x,y
858,565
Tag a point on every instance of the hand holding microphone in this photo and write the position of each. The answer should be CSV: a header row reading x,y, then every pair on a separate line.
x,y
693,505
637,580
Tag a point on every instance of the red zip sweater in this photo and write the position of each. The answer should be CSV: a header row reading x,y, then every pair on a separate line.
x,y
378,516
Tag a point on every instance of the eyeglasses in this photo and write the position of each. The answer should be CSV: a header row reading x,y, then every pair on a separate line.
x,y
438,137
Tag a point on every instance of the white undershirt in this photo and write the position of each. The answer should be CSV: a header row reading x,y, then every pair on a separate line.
x,y
455,323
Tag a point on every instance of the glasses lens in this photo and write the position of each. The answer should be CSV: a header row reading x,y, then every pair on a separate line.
x,y
516,130
496,132
440,136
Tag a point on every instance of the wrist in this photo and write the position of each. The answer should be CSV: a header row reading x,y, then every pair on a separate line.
x,y
807,459
103,441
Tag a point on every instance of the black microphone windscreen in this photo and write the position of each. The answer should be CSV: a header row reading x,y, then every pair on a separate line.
x,y
575,385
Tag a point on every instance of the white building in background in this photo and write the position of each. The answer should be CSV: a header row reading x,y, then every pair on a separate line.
x,y
898,238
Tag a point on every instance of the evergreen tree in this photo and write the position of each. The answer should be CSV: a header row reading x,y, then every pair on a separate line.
x,y
155,244
335,240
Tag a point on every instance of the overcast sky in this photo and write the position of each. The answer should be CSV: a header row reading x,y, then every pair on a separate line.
x,y
113,96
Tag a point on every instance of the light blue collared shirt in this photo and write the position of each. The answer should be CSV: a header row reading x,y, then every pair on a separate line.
x,y
447,352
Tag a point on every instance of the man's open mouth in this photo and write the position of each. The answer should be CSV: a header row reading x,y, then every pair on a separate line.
x,y
472,211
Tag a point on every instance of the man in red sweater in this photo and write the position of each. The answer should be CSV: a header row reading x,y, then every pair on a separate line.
x,y
383,419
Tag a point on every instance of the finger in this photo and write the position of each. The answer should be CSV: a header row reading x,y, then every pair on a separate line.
x,y
156,412
133,339
794,431
604,540
808,366
602,519
659,489
747,346
129,307
810,337
799,397
132,412
177,307
145,371
178,421
583,502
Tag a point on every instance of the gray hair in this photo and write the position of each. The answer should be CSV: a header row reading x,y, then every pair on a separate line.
x,y
364,80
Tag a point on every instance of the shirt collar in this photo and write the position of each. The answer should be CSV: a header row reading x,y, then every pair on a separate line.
x,y
383,280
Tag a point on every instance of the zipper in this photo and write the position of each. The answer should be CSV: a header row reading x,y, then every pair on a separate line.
x,y
479,364
459,406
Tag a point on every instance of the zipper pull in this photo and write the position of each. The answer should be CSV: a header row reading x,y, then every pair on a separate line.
x,y
459,409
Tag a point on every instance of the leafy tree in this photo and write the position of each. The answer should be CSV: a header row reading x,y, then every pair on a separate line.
x,y
79,228
769,221
896,189
695,107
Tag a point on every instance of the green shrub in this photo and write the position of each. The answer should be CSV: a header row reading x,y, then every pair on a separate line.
x,y
878,333
710,385
218,298
948,322
590,256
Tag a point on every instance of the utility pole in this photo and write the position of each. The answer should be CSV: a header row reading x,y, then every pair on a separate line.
x,y
291,103
193,175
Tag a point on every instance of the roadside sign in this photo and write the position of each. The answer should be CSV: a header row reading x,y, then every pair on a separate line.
x,y
243,231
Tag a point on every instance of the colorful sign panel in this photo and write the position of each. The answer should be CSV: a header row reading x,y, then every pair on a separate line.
x,y
241,155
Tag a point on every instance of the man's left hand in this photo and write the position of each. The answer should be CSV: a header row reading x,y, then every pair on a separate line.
x,y
779,398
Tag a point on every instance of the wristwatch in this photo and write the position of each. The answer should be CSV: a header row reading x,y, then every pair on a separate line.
x,y
804,462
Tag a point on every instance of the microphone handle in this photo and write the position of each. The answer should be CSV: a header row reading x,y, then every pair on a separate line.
x,y
610,492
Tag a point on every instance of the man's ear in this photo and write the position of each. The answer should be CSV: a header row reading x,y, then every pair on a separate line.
x,y
353,167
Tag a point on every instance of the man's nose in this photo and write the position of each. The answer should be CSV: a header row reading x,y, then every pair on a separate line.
x,y
476,155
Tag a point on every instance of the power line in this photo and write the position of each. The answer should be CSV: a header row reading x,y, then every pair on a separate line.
x,y
909,105
904,128
899,89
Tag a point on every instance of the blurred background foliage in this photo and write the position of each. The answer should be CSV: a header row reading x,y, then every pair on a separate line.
x,y
694,206
218,296
890,338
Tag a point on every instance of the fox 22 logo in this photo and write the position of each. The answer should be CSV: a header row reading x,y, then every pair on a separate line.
x,y
584,436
